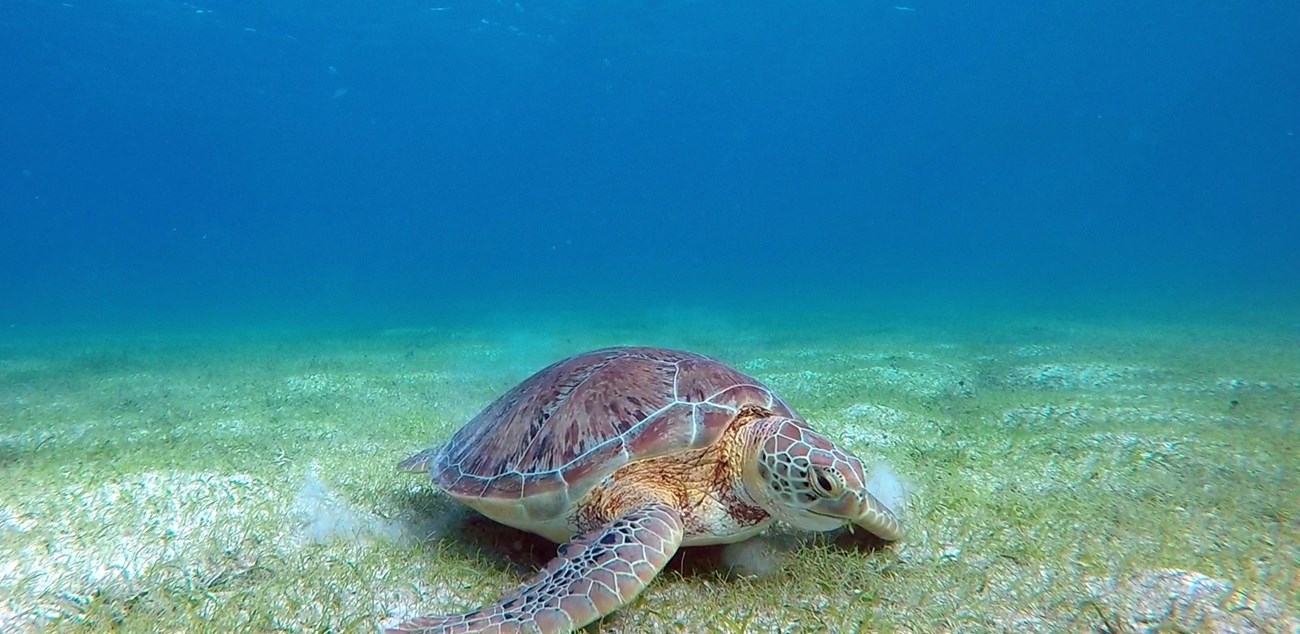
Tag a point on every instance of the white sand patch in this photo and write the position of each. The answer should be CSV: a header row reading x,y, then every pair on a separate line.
x,y
1065,415
1079,376
796,385
1188,601
1076,414
1126,448
1032,350
935,381
912,374
416,598
314,384
890,357
12,521
120,538
879,415
121,432
457,394
875,426
859,437
1242,386
362,388
24,365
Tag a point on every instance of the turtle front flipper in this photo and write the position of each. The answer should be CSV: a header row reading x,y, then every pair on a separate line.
x,y
593,575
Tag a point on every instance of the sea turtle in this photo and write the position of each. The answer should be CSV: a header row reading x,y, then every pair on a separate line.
x,y
627,454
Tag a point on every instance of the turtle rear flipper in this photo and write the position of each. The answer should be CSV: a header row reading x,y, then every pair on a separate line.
x,y
593,575
420,462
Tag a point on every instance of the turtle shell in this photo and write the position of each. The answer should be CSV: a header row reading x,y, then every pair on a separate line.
x,y
559,433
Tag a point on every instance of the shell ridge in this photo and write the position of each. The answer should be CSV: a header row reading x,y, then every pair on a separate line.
x,y
763,388
695,424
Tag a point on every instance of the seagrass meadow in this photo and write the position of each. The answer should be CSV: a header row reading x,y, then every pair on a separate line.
x,y
1122,472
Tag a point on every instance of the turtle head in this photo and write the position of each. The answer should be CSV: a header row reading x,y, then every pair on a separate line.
x,y
804,479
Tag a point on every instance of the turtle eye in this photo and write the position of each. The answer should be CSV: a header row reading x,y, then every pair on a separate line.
x,y
826,482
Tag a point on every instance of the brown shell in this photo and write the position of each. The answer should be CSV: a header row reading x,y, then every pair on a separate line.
x,y
568,426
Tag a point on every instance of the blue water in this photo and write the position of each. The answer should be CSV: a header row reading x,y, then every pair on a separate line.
x,y
216,160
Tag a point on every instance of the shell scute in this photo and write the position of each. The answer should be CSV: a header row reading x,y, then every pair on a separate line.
x,y
504,485
596,464
672,429
700,379
738,396
606,407
710,421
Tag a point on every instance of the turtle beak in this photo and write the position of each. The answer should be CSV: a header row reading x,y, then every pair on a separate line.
x,y
878,519
863,510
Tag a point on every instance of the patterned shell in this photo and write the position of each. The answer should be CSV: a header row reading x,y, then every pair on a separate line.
x,y
577,421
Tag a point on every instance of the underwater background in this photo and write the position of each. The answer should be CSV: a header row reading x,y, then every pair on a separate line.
x,y
334,162
1041,260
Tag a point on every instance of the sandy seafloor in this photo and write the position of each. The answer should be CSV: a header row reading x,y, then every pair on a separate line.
x,y
1132,469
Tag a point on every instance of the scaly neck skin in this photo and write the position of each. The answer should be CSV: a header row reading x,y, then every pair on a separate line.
x,y
751,487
